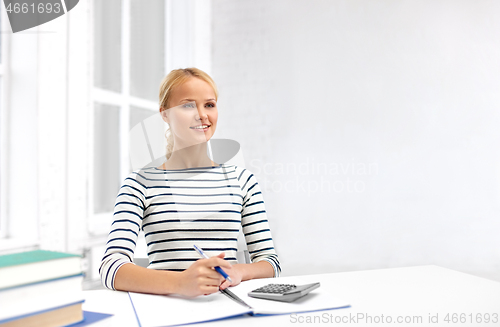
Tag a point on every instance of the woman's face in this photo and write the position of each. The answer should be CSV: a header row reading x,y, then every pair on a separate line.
x,y
192,114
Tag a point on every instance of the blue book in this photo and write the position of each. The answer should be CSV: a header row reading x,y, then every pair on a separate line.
x,y
90,317
56,316
35,298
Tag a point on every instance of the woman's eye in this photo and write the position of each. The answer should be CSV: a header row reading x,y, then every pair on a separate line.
x,y
210,105
188,105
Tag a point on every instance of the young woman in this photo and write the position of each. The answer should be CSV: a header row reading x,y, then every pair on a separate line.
x,y
188,200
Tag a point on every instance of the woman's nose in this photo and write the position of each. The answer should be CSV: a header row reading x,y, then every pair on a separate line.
x,y
201,113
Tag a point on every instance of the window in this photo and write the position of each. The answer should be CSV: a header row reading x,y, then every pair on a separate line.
x,y
3,128
128,65
111,59
18,130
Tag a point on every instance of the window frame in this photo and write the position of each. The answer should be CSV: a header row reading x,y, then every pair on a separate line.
x,y
189,19
98,223
14,235
4,126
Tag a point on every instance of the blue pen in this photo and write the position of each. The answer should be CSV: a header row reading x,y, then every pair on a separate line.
x,y
218,269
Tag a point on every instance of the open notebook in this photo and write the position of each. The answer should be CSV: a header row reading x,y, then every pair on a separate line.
x,y
159,310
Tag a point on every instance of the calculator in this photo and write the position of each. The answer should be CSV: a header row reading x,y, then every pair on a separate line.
x,y
283,292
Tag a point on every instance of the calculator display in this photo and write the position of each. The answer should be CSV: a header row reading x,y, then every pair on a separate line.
x,y
275,288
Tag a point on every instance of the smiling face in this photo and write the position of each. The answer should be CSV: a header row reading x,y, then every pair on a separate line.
x,y
192,114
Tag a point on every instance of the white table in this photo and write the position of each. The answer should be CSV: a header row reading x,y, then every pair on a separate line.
x,y
414,294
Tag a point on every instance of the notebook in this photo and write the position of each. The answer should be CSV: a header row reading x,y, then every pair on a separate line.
x,y
172,310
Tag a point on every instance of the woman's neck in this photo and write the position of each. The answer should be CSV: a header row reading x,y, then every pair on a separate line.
x,y
189,157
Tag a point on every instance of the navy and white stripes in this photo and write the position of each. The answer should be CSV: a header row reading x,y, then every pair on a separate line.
x,y
178,208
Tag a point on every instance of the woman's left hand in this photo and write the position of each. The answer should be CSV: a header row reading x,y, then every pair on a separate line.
x,y
236,274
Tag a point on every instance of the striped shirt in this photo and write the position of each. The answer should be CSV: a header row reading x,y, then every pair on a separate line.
x,y
206,206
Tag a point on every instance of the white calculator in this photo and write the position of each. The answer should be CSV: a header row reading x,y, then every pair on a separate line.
x,y
283,292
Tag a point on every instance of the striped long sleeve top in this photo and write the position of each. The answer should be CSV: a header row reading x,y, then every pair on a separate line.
x,y
206,206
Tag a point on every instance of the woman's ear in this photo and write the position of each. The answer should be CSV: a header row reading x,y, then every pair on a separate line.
x,y
164,115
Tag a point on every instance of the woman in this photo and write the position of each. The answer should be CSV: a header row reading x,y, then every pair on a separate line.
x,y
188,200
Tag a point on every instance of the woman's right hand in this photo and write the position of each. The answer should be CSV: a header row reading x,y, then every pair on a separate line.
x,y
201,278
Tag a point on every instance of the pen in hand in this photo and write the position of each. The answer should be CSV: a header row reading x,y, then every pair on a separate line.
x,y
218,269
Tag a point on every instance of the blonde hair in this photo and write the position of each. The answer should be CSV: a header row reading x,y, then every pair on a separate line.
x,y
176,78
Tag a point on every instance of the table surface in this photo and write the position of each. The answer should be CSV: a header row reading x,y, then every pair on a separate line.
x,y
422,295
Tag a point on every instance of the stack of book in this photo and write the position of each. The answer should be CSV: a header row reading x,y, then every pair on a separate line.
x,y
40,288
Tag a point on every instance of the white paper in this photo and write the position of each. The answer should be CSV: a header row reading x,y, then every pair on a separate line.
x,y
168,310
160,310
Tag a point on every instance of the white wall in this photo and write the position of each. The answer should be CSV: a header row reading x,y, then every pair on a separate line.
x,y
398,100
